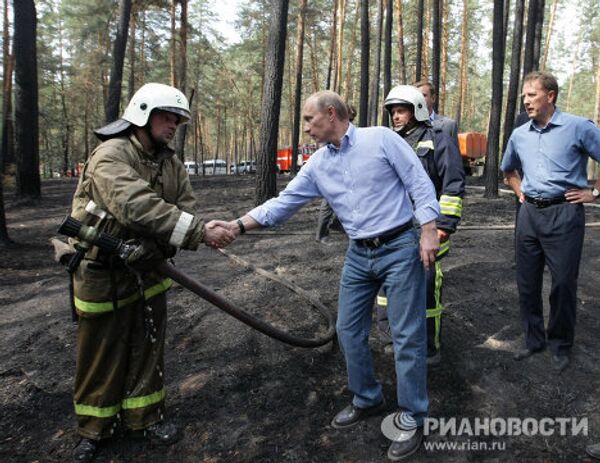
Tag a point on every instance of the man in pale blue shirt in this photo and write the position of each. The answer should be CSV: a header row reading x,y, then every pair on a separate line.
x,y
371,178
552,151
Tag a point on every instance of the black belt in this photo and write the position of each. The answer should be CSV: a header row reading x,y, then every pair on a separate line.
x,y
545,202
385,237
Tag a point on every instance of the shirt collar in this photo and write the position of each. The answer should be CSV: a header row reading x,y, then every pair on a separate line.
x,y
349,139
432,115
556,119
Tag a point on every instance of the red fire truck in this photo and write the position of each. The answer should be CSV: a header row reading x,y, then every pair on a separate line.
x,y
284,156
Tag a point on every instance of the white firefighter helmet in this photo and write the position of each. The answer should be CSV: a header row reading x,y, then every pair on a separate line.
x,y
408,95
148,98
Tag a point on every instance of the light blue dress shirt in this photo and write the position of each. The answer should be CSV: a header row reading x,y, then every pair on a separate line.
x,y
553,159
371,182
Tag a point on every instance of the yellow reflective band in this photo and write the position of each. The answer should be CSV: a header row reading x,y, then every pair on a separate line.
x,y
101,307
444,248
144,400
381,300
98,412
451,205
434,312
425,144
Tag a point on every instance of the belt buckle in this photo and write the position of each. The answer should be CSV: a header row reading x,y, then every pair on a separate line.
x,y
373,242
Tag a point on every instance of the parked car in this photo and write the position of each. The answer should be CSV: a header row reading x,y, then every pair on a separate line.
x,y
243,167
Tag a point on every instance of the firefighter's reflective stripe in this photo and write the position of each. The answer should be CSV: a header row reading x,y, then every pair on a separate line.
x,y
144,400
98,412
94,209
181,228
451,205
436,311
427,144
444,248
101,307
382,300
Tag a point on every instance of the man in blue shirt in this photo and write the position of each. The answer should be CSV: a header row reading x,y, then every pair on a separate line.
x,y
552,152
371,178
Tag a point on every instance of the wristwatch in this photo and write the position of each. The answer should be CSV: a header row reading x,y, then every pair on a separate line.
x,y
595,193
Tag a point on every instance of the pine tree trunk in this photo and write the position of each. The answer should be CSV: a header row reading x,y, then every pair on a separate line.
x,y
444,58
549,35
437,43
142,50
528,59
419,61
363,111
116,71
374,91
313,65
131,79
337,83
491,159
350,59
539,24
26,100
4,237
332,44
266,184
298,86
173,51
7,152
182,72
425,69
63,103
387,58
462,72
400,35
512,98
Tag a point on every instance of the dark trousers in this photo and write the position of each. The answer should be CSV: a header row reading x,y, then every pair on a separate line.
x,y
327,219
554,236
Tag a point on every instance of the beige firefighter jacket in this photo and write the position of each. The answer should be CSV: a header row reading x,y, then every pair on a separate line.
x,y
130,193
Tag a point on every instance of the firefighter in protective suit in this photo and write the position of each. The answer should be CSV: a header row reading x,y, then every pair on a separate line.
x,y
442,162
133,187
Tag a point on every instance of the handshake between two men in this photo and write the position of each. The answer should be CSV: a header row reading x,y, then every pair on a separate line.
x,y
219,233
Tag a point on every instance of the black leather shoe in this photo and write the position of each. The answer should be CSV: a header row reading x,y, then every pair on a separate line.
x,y
162,433
524,353
85,451
351,415
399,450
560,362
593,451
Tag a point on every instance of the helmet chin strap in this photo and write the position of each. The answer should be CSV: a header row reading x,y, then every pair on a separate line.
x,y
403,130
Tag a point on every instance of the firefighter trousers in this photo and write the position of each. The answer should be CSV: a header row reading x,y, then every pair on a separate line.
x,y
119,371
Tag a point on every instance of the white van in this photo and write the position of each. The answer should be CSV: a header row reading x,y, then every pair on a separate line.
x,y
192,168
243,167
213,167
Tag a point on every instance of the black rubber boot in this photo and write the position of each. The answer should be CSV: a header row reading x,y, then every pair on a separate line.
x,y
85,450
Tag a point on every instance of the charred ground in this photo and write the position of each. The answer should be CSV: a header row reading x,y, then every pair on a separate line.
x,y
242,397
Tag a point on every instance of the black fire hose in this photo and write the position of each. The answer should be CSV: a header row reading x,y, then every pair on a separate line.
x,y
89,236
170,271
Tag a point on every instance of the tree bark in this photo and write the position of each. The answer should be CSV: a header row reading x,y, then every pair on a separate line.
x,y
4,237
266,185
374,91
387,58
7,152
182,72
443,59
462,72
491,159
548,35
425,69
63,103
400,35
350,59
528,59
337,82
437,42
512,98
418,64
364,64
332,44
173,51
26,100
131,79
539,24
116,71
298,86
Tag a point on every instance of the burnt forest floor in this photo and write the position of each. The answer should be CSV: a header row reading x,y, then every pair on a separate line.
x,y
240,396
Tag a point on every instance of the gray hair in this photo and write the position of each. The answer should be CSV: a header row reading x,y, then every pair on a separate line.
x,y
326,98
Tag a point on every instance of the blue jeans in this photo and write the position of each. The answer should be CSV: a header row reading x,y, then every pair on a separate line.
x,y
395,266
